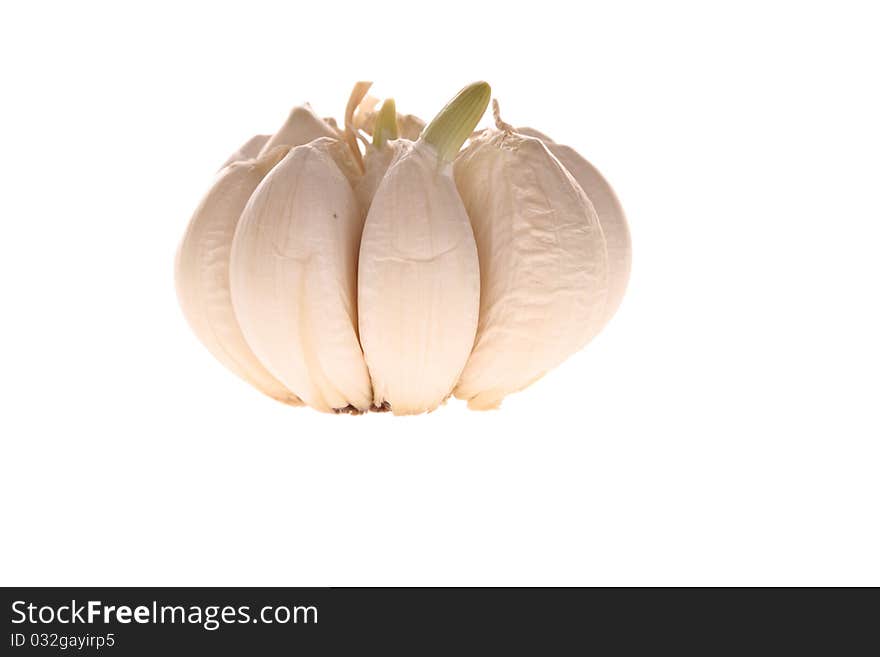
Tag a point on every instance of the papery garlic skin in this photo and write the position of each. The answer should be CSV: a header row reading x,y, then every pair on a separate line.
x,y
301,127
379,154
410,126
248,150
418,283
543,264
611,216
293,274
202,273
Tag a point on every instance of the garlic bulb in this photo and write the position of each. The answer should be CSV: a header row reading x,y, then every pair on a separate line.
x,y
394,277
293,273
611,216
418,279
202,273
543,263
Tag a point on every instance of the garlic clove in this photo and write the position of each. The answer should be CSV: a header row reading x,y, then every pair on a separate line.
x,y
294,279
248,150
543,264
301,127
202,273
418,280
611,216
418,283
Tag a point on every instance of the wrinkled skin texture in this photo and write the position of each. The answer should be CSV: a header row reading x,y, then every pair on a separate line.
x,y
543,264
611,216
419,283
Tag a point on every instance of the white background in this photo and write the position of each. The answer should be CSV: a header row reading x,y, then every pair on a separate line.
x,y
722,430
